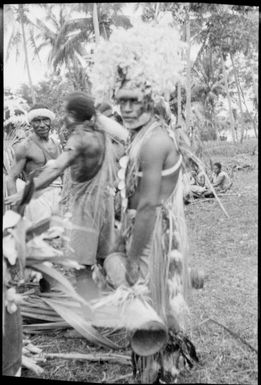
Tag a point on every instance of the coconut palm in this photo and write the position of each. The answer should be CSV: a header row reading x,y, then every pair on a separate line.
x,y
66,35
209,83
16,16
102,16
65,51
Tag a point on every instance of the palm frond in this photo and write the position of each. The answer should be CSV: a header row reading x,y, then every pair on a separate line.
x,y
65,285
83,24
43,316
85,7
46,326
80,324
35,47
121,21
67,51
52,17
14,41
45,30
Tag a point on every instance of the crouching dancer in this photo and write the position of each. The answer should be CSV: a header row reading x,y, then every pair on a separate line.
x,y
88,154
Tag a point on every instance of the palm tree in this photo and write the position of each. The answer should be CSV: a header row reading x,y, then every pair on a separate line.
x,y
69,34
98,21
65,50
208,82
16,16
188,87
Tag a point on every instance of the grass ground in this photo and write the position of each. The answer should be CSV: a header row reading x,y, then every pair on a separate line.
x,y
226,249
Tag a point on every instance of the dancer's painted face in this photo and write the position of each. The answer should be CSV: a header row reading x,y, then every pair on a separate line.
x,y
133,108
41,126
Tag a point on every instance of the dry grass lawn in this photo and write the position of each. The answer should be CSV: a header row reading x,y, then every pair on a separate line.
x,y
226,249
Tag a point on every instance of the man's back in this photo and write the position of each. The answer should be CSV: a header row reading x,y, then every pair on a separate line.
x,y
90,148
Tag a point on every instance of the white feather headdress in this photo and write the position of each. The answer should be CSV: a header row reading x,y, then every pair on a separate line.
x,y
148,56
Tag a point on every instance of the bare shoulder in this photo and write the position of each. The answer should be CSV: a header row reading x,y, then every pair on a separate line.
x,y
22,149
159,144
90,142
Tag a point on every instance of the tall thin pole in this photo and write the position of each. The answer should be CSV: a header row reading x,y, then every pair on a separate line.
x,y
96,23
21,13
232,122
188,88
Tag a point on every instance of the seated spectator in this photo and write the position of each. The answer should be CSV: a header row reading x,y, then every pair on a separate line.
x,y
194,183
220,180
200,178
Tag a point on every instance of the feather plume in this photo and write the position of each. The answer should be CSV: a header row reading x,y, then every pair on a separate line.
x,y
150,56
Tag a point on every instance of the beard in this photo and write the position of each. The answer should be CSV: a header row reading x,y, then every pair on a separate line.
x,y
43,133
138,122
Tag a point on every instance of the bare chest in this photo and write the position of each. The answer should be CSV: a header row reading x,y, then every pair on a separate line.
x,y
38,155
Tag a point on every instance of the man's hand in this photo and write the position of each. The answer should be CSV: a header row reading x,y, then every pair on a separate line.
x,y
14,199
132,271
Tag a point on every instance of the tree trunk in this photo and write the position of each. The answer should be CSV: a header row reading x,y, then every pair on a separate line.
x,y
239,100
254,82
179,104
188,88
247,110
232,122
156,11
21,12
96,23
72,78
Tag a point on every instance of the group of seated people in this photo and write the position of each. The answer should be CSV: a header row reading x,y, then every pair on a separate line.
x,y
197,185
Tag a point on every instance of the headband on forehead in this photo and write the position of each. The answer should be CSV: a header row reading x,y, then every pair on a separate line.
x,y
40,112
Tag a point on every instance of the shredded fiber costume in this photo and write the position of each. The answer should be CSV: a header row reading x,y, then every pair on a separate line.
x,y
169,237
90,203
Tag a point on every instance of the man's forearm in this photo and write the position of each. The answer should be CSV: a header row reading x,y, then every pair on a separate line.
x,y
11,185
47,176
144,225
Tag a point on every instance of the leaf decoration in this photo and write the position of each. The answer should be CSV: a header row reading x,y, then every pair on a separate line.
x,y
54,232
46,326
44,317
61,260
38,248
19,234
10,219
38,228
65,285
80,324
9,249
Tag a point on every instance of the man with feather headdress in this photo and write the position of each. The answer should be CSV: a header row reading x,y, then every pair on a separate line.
x,y
136,68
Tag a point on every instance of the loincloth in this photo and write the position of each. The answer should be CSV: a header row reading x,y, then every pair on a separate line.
x,y
44,203
92,234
